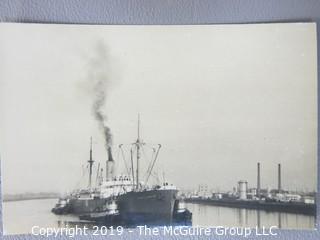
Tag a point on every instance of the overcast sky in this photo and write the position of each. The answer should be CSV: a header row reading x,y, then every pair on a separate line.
x,y
218,98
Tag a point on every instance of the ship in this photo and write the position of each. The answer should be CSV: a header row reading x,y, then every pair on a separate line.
x,y
136,201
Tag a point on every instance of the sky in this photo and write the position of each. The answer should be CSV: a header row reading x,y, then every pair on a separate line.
x,y
218,98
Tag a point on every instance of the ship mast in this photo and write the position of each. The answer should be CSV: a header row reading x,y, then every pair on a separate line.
x,y
138,142
132,170
90,164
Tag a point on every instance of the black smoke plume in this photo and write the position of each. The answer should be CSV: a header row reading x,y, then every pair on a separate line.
x,y
100,78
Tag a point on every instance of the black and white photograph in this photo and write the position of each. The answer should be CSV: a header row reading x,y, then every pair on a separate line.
x,y
163,125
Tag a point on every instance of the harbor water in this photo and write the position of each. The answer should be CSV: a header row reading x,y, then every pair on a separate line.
x,y
20,216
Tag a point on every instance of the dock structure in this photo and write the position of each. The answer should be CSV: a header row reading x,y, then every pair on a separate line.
x,y
275,200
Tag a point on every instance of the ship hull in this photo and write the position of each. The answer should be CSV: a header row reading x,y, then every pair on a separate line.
x,y
80,206
150,206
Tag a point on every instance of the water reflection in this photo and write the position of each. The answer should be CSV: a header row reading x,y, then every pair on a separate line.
x,y
279,221
208,215
243,217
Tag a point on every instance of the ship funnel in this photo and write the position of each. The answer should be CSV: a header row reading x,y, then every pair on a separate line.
x,y
110,158
109,165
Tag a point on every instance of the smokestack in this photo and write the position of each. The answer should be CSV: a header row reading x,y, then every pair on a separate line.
x,y
110,158
258,180
109,165
279,177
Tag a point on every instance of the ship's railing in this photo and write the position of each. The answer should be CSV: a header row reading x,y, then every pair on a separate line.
x,y
115,183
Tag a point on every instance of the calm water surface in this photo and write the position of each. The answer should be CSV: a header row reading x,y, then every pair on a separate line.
x,y
207,215
20,216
